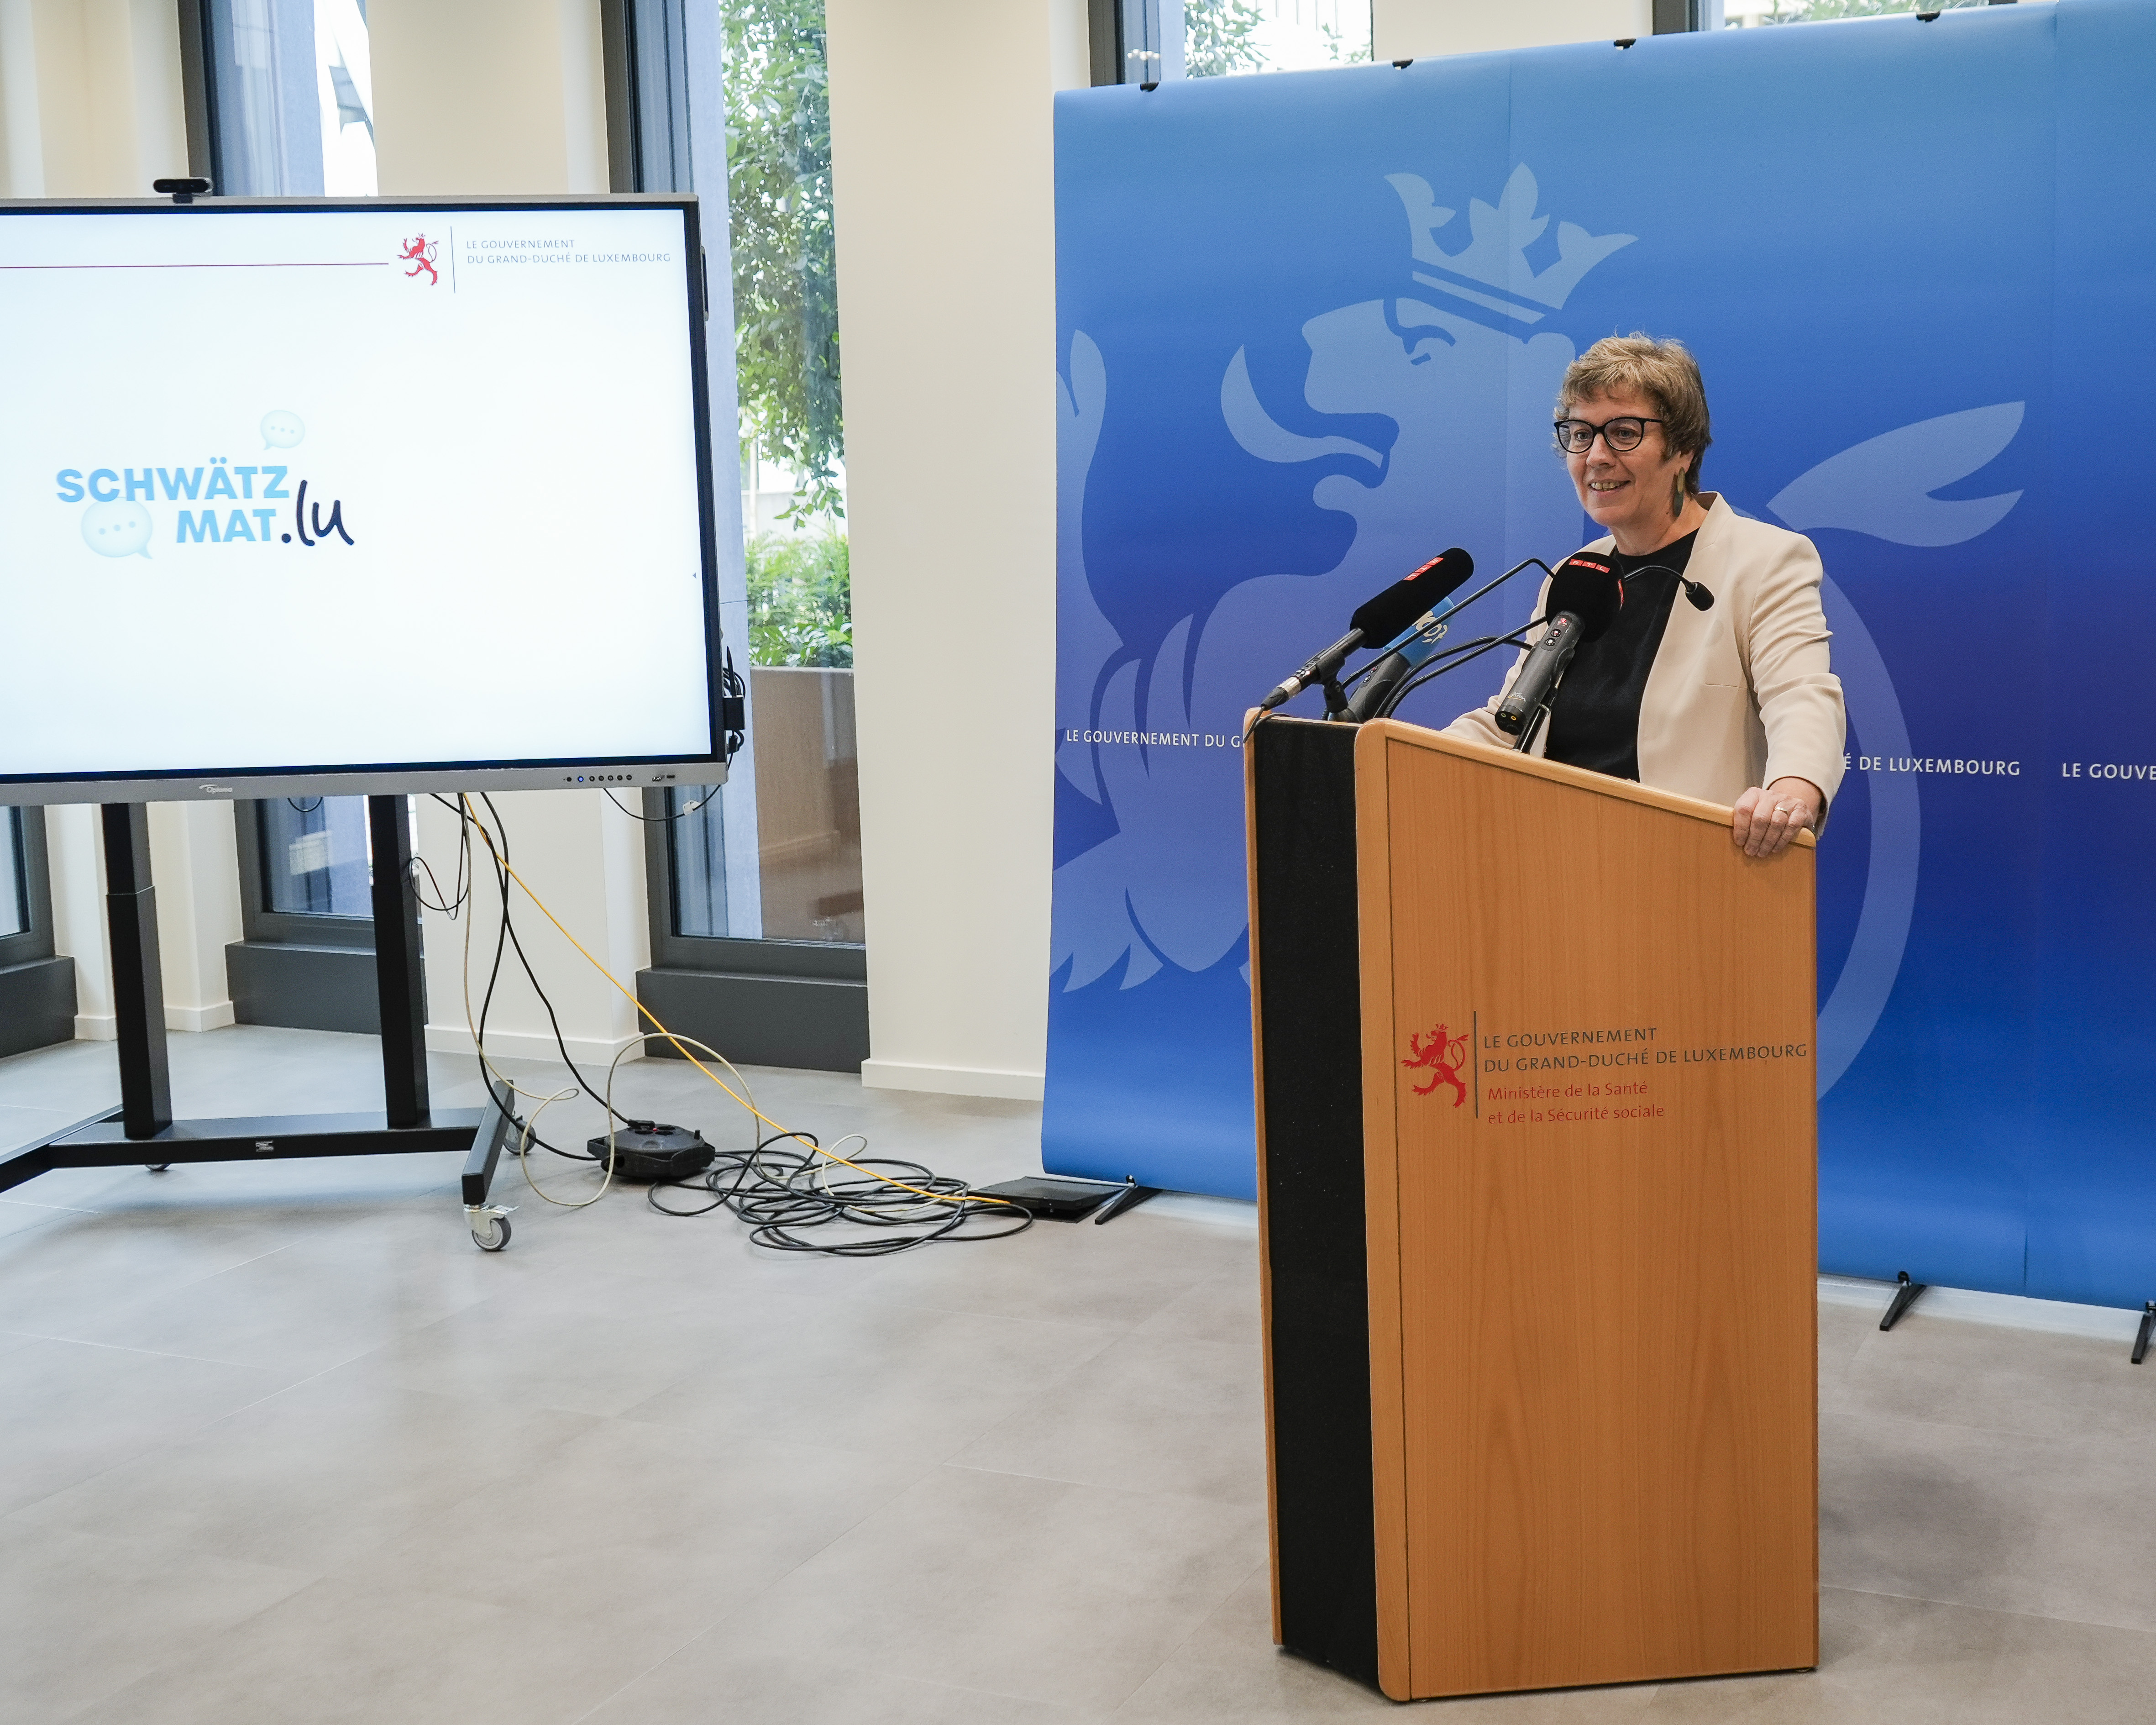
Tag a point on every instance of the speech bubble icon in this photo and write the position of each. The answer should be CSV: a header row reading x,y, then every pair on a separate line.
x,y
116,530
282,431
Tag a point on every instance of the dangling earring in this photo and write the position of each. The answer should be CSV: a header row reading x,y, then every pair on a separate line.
x,y
1677,492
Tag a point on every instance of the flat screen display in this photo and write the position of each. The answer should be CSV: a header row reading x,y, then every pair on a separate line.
x,y
353,496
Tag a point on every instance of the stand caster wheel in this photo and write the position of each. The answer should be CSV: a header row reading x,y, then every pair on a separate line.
x,y
489,1230
158,1168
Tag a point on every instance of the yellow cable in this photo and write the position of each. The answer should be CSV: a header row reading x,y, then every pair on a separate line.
x,y
662,1030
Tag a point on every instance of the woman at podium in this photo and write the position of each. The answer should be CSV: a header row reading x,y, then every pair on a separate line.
x,y
1728,696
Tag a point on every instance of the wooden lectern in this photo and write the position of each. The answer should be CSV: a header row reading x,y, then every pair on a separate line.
x,y
1537,1147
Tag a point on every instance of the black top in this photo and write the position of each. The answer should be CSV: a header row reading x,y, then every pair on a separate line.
x,y
1594,716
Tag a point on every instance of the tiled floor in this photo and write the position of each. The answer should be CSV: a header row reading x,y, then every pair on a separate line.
x,y
277,1443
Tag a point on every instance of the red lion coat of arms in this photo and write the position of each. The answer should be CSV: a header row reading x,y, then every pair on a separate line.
x,y
420,254
1442,1057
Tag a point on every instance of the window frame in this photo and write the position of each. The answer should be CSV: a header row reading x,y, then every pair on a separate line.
x,y
259,922
35,940
781,1003
36,984
831,961
301,970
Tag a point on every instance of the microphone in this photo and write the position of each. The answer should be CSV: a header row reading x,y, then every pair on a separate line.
x,y
1583,597
1380,619
1701,597
1382,680
1586,584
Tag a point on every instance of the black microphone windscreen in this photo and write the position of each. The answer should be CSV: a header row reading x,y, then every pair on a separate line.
x,y
1586,585
1384,617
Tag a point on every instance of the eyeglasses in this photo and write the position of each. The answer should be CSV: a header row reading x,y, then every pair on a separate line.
x,y
1576,437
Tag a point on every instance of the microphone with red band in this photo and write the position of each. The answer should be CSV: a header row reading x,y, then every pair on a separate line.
x,y
1379,619
1584,595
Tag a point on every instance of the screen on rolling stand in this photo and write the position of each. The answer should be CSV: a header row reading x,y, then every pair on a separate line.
x,y
353,496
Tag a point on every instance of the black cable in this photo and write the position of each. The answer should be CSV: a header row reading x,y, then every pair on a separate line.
x,y
731,688
486,1003
465,824
660,820
294,802
778,1192
449,907
509,929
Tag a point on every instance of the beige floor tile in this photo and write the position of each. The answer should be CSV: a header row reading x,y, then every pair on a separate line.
x,y
1020,1587
69,1411
1120,1275
1963,1374
1919,1662
314,1476
1149,1413
850,1375
762,1689
87,1615
652,1530
2050,1527
339,1654
1222,1308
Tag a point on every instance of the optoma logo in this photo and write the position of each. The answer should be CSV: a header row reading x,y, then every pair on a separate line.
x,y
244,503
214,790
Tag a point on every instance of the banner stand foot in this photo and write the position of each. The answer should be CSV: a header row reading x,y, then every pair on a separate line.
x,y
2148,1329
1905,1297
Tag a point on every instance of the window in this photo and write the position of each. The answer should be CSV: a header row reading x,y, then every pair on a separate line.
x,y
1751,14
809,823
306,873
36,987
1224,37
15,884
290,98
778,857
313,857
756,892
305,959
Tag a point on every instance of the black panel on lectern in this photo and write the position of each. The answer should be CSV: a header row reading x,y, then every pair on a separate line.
x,y
1311,1036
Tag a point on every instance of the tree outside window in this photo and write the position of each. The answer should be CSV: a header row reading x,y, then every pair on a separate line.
x,y
1222,38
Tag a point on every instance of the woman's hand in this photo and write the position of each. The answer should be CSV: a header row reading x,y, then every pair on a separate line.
x,y
1763,821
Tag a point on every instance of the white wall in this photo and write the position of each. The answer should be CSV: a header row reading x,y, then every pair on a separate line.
x,y
91,102
942,154
488,95
194,865
585,860
1413,29
76,857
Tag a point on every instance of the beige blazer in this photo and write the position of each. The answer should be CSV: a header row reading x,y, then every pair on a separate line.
x,y
1740,694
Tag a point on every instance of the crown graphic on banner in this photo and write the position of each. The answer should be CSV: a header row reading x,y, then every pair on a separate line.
x,y
1496,255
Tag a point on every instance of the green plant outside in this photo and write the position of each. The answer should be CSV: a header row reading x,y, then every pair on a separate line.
x,y
785,262
800,599
1810,12
1217,37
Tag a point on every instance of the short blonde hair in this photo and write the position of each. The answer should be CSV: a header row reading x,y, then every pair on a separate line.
x,y
1664,372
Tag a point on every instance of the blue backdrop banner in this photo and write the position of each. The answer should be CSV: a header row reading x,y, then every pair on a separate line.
x,y
1311,330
